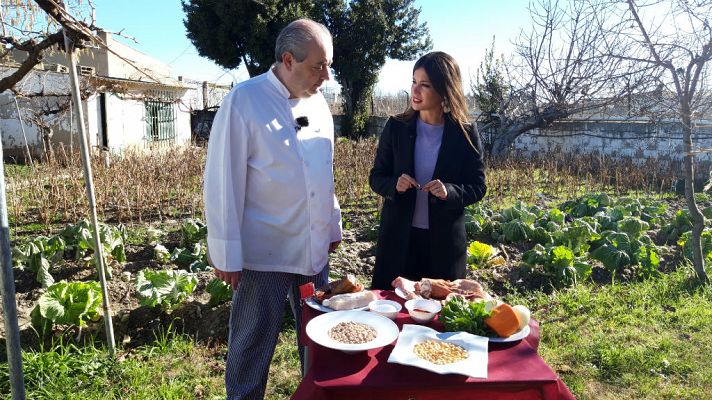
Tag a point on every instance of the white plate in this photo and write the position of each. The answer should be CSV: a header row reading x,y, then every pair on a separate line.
x,y
475,365
519,335
313,304
318,330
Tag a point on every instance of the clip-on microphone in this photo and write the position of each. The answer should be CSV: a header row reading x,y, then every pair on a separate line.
x,y
302,122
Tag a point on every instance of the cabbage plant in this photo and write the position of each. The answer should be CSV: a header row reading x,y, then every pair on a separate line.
x,y
165,288
68,303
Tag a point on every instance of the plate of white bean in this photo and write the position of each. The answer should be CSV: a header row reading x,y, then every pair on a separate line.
x,y
352,331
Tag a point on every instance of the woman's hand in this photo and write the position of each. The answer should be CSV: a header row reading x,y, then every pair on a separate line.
x,y
437,189
405,182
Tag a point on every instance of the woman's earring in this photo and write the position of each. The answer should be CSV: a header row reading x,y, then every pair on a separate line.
x,y
446,109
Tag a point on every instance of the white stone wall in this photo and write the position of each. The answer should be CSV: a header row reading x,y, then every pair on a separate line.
x,y
636,139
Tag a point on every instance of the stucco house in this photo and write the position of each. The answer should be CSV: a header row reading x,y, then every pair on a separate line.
x,y
130,102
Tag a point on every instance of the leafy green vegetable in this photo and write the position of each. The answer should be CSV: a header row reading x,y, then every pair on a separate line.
x,y
167,288
556,215
79,237
559,262
194,260
72,303
478,220
193,231
478,253
577,236
515,231
459,314
220,292
37,255
706,240
535,256
612,257
634,227
681,223
161,254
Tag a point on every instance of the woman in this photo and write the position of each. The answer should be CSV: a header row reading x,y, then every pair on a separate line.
x,y
428,167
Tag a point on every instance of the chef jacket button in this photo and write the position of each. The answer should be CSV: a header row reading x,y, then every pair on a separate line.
x,y
311,194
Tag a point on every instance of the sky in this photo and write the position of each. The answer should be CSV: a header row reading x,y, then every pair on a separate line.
x,y
462,28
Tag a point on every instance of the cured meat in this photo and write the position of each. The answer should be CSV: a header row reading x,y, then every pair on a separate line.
x,y
441,289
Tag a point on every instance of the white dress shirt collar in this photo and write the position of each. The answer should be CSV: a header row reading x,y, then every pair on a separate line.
x,y
281,89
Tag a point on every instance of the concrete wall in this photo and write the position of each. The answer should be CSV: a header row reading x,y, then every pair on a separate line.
x,y
635,139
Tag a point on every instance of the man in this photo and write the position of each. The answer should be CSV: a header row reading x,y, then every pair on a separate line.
x,y
269,198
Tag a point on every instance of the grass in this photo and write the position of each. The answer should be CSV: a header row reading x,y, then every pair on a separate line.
x,y
645,339
173,367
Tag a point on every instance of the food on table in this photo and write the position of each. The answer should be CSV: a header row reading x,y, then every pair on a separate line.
x,y
440,289
349,301
423,311
459,314
439,352
347,284
524,315
352,332
503,320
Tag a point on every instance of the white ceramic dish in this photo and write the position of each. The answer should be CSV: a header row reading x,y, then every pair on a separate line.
x,y
423,311
387,308
313,304
475,365
519,335
318,330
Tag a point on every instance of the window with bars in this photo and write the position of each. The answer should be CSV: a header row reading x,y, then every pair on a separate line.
x,y
160,121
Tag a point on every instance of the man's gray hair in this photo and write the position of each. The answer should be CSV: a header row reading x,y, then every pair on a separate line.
x,y
295,36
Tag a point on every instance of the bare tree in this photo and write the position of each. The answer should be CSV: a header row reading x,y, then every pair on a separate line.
x,y
561,68
35,27
674,39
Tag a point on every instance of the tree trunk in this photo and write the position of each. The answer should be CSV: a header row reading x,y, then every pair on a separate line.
x,y
510,130
357,103
698,220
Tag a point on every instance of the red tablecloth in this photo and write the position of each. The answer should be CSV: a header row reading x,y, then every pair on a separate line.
x,y
515,371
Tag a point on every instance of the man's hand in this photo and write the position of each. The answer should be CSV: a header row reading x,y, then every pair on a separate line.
x,y
334,245
231,278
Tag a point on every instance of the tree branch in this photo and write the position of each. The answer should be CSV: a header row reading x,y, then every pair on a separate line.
x,y
34,57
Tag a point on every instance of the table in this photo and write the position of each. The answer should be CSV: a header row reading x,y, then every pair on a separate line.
x,y
515,371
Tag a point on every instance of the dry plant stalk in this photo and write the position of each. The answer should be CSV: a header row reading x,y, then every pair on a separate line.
x,y
149,186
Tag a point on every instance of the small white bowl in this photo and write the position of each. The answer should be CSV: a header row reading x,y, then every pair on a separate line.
x,y
422,311
387,308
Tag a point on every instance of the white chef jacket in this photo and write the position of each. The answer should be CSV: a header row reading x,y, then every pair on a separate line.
x,y
269,185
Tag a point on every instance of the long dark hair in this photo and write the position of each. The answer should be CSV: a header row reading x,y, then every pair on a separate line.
x,y
444,75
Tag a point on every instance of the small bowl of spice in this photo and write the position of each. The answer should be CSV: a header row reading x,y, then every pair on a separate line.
x,y
422,311
387,308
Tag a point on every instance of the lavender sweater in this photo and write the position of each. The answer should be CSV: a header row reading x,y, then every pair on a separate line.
x,y
427,146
